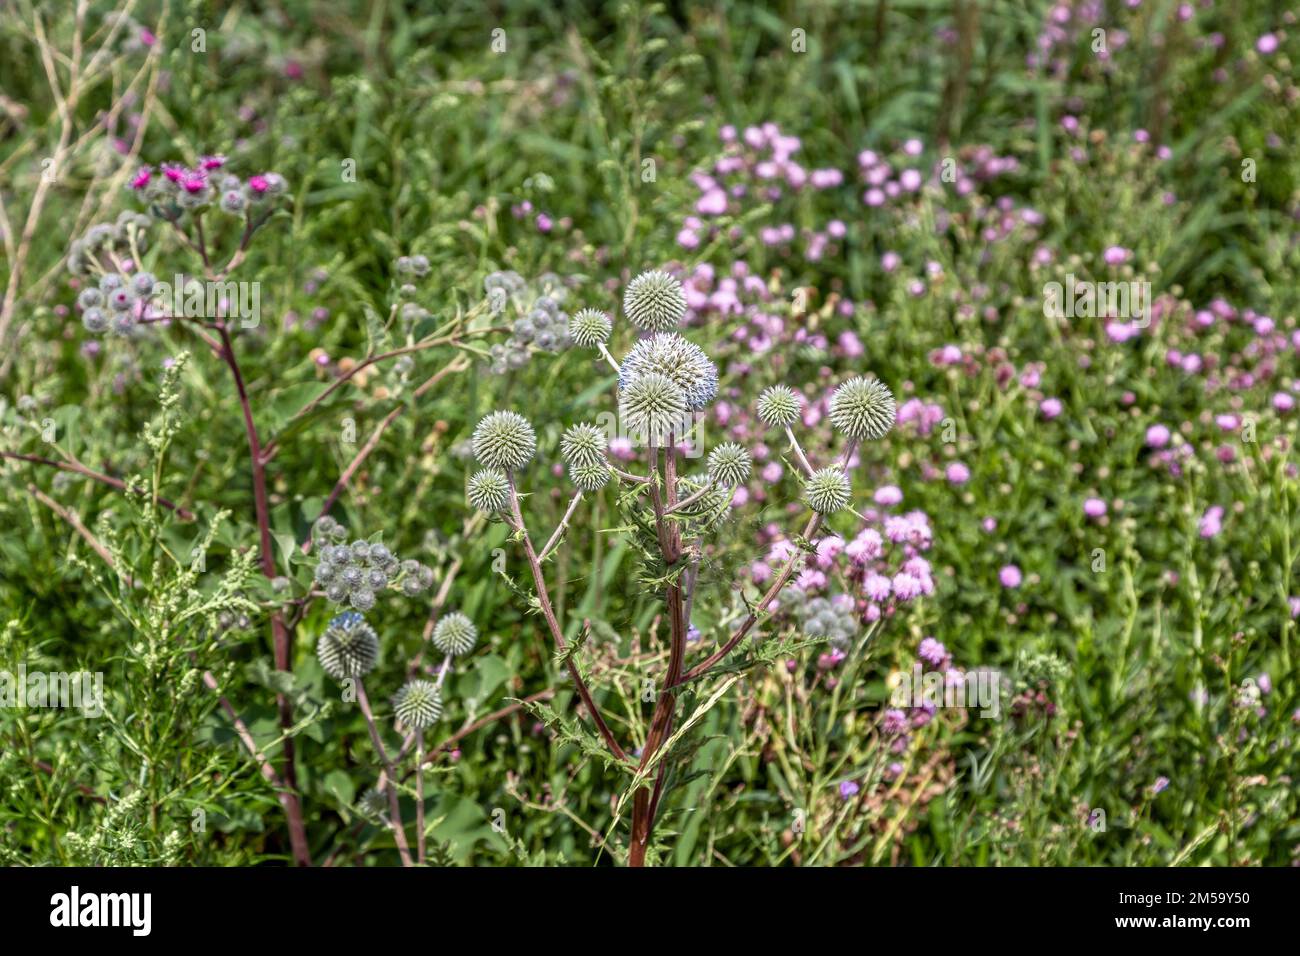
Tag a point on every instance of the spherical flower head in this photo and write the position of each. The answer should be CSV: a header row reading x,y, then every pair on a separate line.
x,y
652,405
95,320
362,597
348,648
673,356
418,705
583,445
455,634
373,803
654,301
590,328
863,408
589,476
827,491
489,490
504,440
778,406
729,464
90,298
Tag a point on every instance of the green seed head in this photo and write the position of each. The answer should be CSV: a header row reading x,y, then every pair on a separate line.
x,y
729,464
583,445
827,491
652,406
348,648
418,705
863,408
589,476
489,490
590,328
654,301
778,407
504,440
455,634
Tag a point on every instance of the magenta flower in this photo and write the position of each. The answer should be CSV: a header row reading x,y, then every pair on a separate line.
x,y
1010,576
1211,522
1094,507
1158,436
142,177
1050,408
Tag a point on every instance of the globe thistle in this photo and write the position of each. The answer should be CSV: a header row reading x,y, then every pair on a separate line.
x,y
652,405
504,440
863,408
827,490
590,328
682,361
654,301
729,464
589,476
778,407
583,444
489,490
348,648
455,634
418,705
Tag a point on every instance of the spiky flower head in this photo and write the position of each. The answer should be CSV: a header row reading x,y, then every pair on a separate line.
x,y
504,440
418,705
583,445
729,464
349,647
827,490
682,361
653,405
589,475
455,634
489,490
590,328
863,408
778,407
654,301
